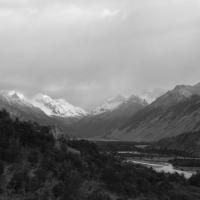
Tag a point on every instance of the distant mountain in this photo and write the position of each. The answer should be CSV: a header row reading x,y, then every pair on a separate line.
x,y
57,107
173,113
110,115
178,94
187,142
123,118
19,106
41,109
152,95
109,105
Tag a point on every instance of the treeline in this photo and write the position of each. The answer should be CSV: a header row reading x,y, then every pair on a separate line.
x,y
152,149
36,166
180,162
148,149
115,146
187,142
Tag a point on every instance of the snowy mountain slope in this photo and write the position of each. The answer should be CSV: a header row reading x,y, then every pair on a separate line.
x,y
13,96
114,103
109,105
57,107
151,95
26,109
19,106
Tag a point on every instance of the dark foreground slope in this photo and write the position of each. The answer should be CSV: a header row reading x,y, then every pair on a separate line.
x,y
35,166
187,142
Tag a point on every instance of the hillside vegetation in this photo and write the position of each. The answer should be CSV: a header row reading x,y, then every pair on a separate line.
x,y
36,166
188,142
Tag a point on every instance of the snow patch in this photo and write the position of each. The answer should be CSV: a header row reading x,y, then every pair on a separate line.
x,y
57,107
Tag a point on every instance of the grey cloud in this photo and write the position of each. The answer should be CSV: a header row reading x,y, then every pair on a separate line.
x,y
87,51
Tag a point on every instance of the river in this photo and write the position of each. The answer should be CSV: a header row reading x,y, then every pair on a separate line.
x,y
163,167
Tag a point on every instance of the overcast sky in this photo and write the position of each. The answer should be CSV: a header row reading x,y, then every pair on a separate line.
x,y
89,50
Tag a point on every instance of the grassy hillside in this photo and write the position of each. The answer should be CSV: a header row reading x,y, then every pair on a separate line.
x,y
158,121
36,166
187,142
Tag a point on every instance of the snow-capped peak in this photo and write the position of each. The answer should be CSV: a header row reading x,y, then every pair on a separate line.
x,y
115,102
12,96
52,107
152,95
16,94
57,107
178,94
109,105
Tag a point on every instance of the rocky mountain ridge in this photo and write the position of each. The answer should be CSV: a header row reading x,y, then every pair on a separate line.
x,y
174,113
110,115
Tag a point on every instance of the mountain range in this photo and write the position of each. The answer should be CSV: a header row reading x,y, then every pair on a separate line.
x,y
175,112
147,118
40,103
58,112
151,95
57,107
110,115
18,106
41,109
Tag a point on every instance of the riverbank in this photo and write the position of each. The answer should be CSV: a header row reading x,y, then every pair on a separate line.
x,y
164,167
